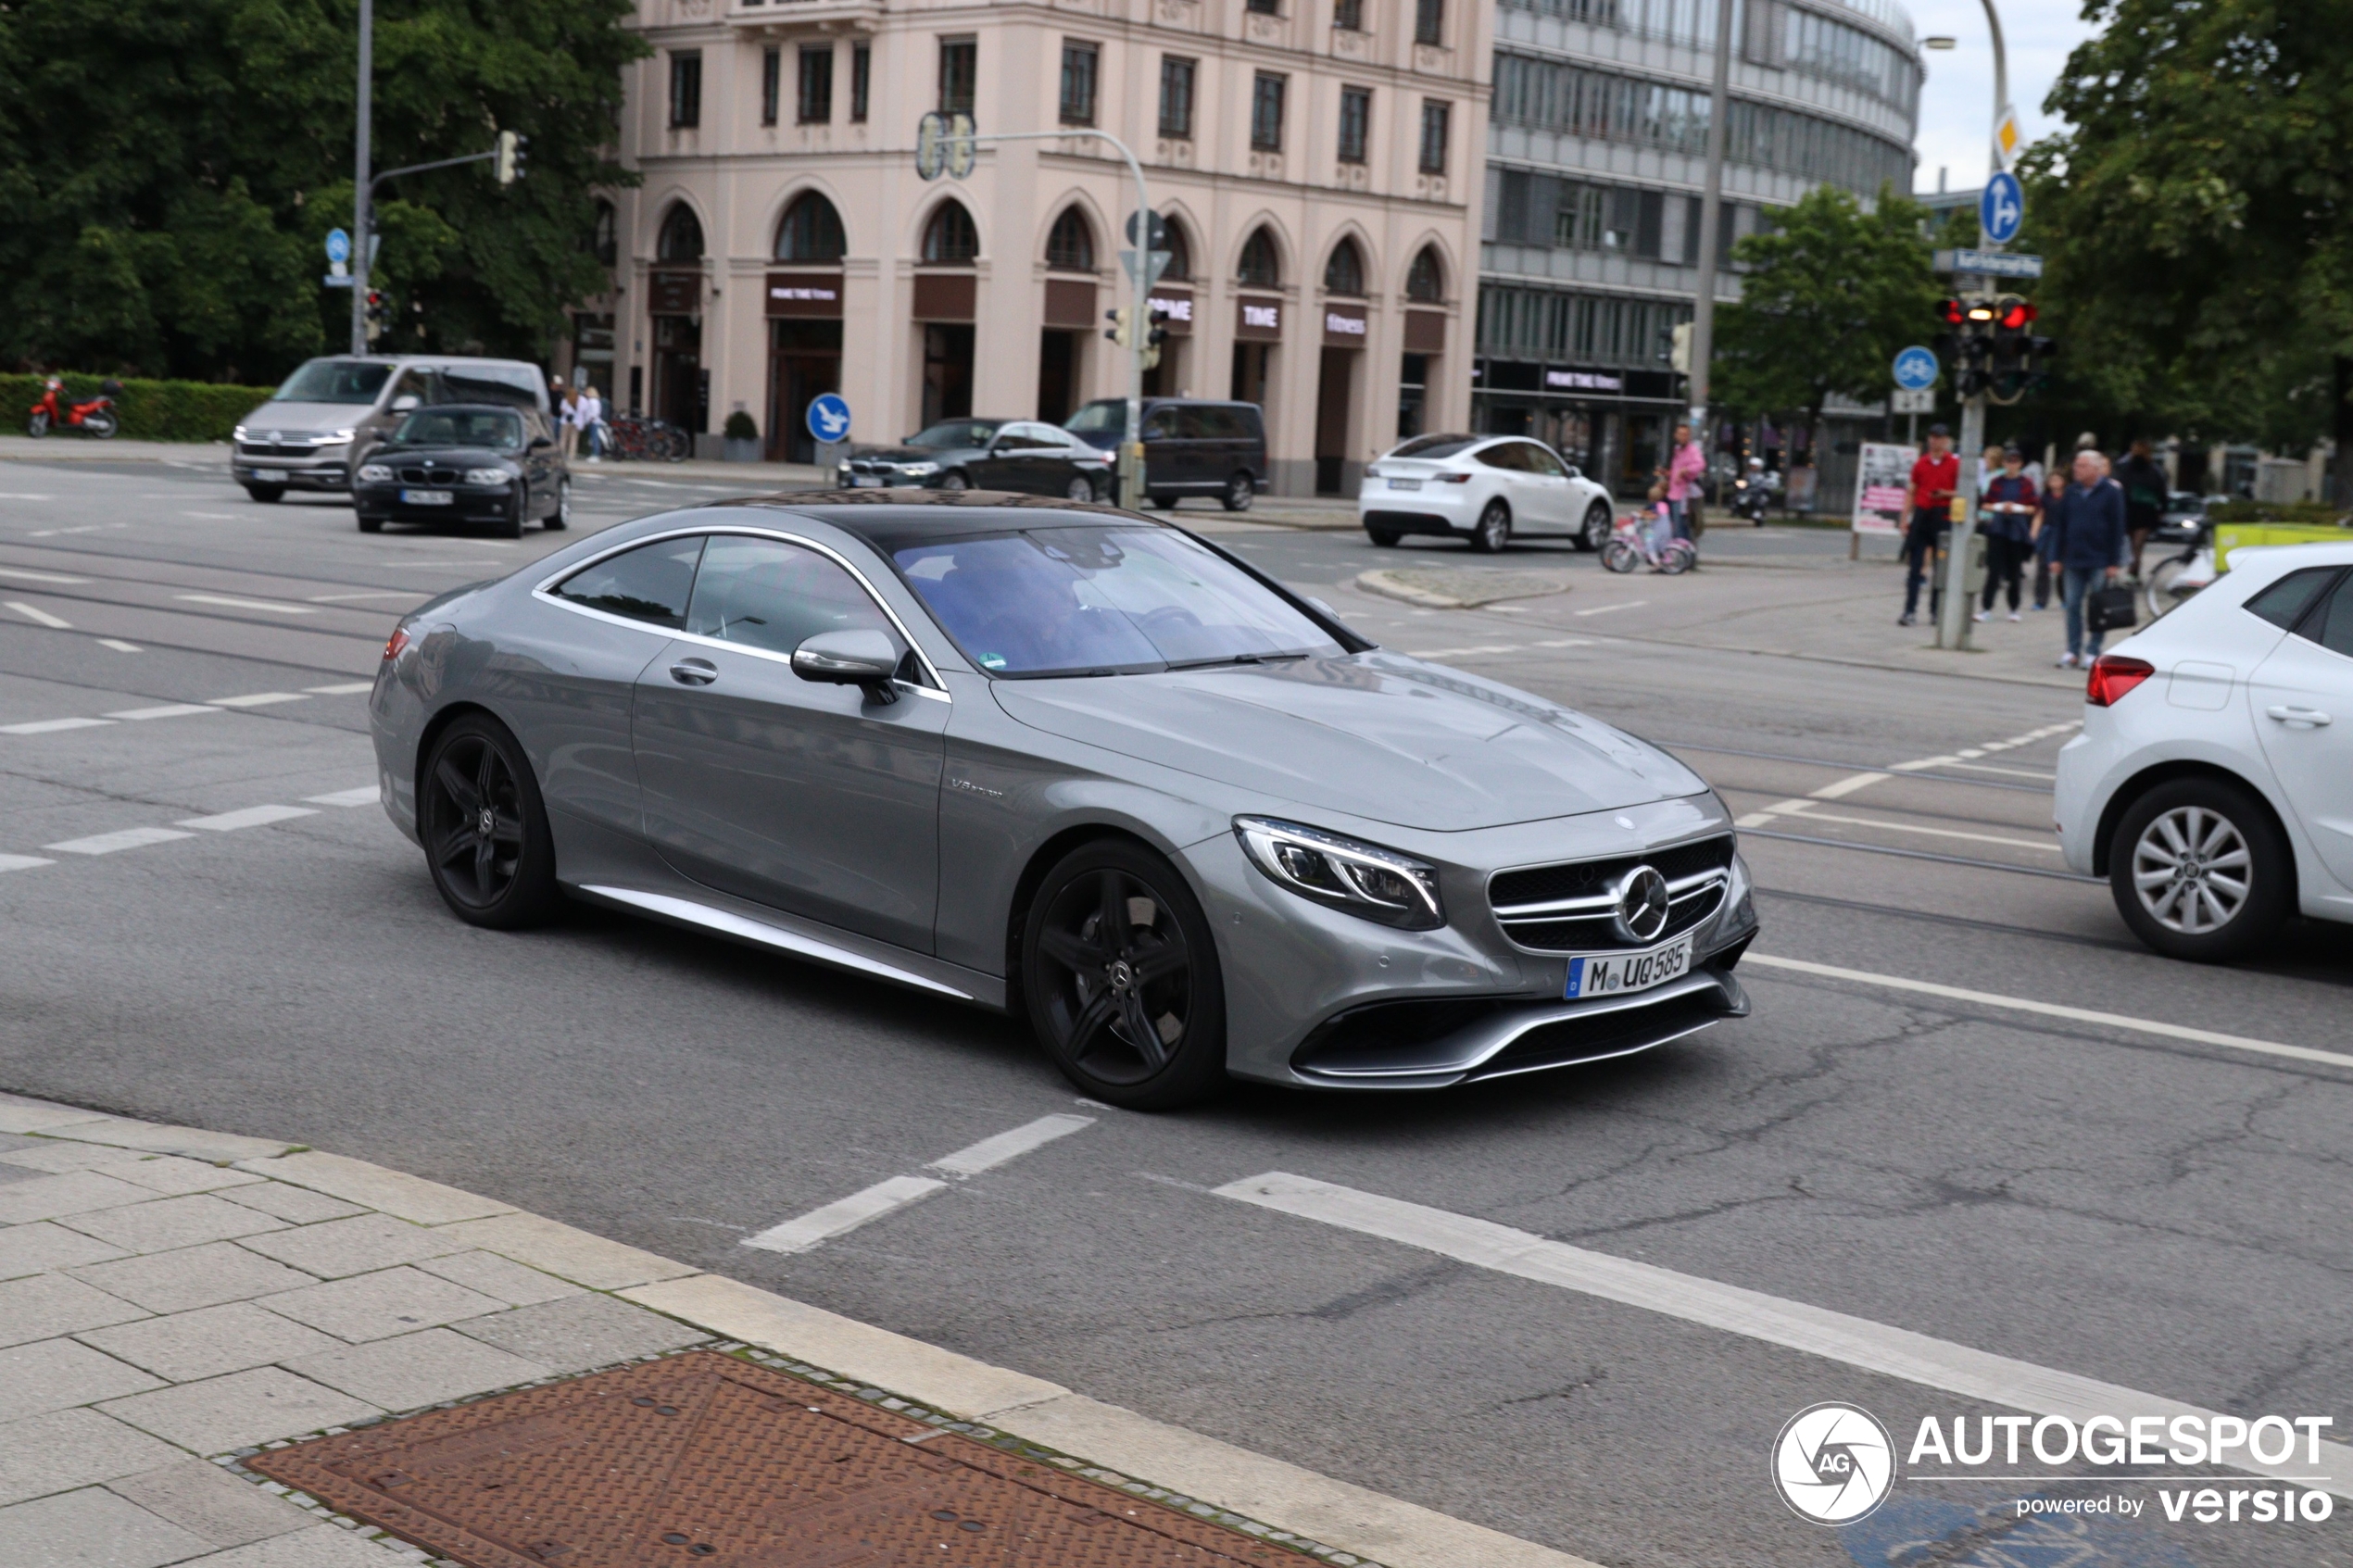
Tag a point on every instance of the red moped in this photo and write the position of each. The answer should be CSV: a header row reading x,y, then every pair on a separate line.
x,y
93,416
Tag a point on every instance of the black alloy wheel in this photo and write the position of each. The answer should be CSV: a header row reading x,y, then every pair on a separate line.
x,y
485,828
511,526
1121,979
1494,529
560,518
1594,532
370,524
1241,491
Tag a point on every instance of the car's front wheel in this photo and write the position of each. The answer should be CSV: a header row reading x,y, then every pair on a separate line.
x,y
1080,488
484,827
954,480
1494,529
370,524
1120,976
1383,538
560,518
1593,532
2199,871
1241,491
266,493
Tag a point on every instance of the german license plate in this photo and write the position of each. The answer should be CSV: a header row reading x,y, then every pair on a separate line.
x,y
866,482
1605,975
269,476
1404,484
425,497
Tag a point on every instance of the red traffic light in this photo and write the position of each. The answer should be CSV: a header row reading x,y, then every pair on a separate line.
x,y
1950,312
2017,316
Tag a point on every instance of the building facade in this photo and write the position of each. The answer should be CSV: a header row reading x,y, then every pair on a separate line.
x,y
1318,163
1596,159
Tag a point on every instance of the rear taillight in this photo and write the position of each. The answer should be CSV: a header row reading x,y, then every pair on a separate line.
x,y
394,644
2112,675
1454,479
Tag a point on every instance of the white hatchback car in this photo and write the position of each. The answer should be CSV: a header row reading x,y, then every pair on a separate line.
x,y
2212,784
1485,488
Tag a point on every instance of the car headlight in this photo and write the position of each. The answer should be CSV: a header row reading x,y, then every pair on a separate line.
x,y
917,471
238,434
492,477
339,437
1344,873
374,473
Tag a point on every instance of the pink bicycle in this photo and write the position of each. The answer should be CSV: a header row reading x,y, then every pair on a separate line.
x,y
1629,547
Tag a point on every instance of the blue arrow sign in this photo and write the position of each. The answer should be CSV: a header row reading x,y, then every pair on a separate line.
x,y
2001,208
829,416
1916,370
338,247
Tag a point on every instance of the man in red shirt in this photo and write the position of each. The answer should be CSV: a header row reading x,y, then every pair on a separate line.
x,y
1935,477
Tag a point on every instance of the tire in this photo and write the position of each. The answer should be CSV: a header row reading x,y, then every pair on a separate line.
x,y
267,494
101,424
1620,556
511,526
1080,488
1082,1012
1494,530
1241,491
37,426
560,518
1162,500
1593,532
954,480
2240,883
372,525
1678,559
507,881
1383,538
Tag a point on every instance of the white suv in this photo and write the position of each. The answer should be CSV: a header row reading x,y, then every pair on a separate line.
x,y
1487,487
2212,784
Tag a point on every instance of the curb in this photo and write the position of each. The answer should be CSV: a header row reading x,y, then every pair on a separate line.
x,y
1327,1519
1387,582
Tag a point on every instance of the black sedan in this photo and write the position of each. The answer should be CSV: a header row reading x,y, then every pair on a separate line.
x,y
465,462
1027,457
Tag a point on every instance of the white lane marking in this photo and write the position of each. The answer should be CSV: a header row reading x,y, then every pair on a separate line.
x,y
2037,775
169,710
845,1214
342,688
2056,1010
46,727
1797,1325
17,574
107,842
213,517
1605,610
26,496
1804,808
1755,819
1567,642
251,817
1455,653
255,699
368,797
389,594
120,645
1848,786
40,617
990,1153
22,863
273,607
819,1225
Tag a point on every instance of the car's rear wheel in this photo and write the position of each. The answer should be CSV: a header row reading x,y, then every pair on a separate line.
x,y
1161,499
1241,491
2199,871
266,493
1593,532
1386,538
484,827
1080,488
1120,976
954,481
1494,529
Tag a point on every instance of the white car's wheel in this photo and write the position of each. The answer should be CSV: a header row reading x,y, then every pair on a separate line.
x,y
2199,871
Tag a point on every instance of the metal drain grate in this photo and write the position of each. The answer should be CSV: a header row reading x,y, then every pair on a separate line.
x,y
704,1459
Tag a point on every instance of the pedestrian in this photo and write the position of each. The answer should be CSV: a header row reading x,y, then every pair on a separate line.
x,y
2090,550
589,412
1682,474
2045,537
567,418
2143,479
2008,509
1936,475
1988,466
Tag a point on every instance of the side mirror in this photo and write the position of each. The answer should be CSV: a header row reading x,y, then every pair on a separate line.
x,y
540,444
403,403
1576,473
867,659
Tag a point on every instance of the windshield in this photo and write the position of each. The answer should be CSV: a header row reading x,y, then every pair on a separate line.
x,y
462,427
472,382
1436,446
955,433
1106,416
1101,601
335,381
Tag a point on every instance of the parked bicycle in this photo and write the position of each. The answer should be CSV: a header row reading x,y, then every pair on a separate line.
x,y
1629,547
649,441
2183,573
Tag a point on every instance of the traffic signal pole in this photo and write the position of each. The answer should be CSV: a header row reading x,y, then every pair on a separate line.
x,y
1953,624
362,187
1711,219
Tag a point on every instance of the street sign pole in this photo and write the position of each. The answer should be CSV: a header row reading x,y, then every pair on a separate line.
x,y
1952,625
363,253
1711,219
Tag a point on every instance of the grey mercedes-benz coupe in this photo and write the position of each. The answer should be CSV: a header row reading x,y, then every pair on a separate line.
x,y
1069,762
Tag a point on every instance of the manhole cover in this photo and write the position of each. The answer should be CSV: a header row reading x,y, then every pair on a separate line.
x,y
703,1460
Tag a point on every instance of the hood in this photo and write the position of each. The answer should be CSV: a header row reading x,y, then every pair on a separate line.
x,y
448,457
304,419
1376,735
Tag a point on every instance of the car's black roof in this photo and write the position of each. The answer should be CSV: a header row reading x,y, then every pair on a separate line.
x,y
891,520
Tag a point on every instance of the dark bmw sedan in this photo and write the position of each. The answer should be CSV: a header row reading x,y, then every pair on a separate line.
x,y
465,463
1026,457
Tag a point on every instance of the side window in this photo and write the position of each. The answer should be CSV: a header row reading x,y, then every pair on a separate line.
x,y
648,584
1538,460
768,594
1161,425
1507,456
2331,625
2284,601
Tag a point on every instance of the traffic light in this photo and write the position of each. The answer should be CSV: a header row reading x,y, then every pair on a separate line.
x,y
1155,334
1951,312
378,313
512,145
1122,330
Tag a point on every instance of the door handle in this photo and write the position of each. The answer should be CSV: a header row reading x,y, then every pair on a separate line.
x,y
694,672
2303,718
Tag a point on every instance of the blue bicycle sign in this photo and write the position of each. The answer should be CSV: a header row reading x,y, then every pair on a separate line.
x,y
1916,369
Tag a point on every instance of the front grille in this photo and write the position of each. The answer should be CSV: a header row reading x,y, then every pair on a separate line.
x,y
418,474
265,449
1566,909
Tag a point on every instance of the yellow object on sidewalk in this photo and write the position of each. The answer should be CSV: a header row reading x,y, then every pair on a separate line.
x,y
2234,535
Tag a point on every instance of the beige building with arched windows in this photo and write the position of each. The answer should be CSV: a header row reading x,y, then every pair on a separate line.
x,y
1317,162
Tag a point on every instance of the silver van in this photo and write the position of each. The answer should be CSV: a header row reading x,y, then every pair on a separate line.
x,y
335,411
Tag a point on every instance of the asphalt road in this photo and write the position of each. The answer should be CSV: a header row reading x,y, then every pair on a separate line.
x,y
2158,1213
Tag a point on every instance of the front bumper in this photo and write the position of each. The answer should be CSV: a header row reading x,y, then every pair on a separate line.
x,y
310,471
467,503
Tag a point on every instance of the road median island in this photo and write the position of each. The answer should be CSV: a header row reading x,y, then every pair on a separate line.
x,y
355,1350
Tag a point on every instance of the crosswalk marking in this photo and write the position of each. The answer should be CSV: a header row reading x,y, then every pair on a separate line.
x,y
255,699
845,1214
367,795
49,726
168,710
126,838
40,617
251,817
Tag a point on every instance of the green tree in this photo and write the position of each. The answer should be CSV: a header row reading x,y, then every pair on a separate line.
x,y
1827,296
2196,215
167,173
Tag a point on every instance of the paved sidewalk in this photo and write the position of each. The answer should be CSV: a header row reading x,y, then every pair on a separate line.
x,y
174,1302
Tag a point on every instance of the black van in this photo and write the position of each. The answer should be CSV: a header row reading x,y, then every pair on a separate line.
x,y
1193,446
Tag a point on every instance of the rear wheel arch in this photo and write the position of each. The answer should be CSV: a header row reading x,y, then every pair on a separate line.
x,y
2159,773
441,721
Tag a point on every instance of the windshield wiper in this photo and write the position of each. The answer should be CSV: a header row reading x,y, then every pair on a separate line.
x,y
1233,658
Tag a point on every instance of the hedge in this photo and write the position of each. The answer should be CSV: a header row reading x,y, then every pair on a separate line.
x,y
150,410
2300,513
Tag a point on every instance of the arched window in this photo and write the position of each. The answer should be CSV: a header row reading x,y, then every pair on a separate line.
x,y
1070,245
1344,273
1181,253
680,235
810,231
1261,264
604,238
1426,280
950,236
